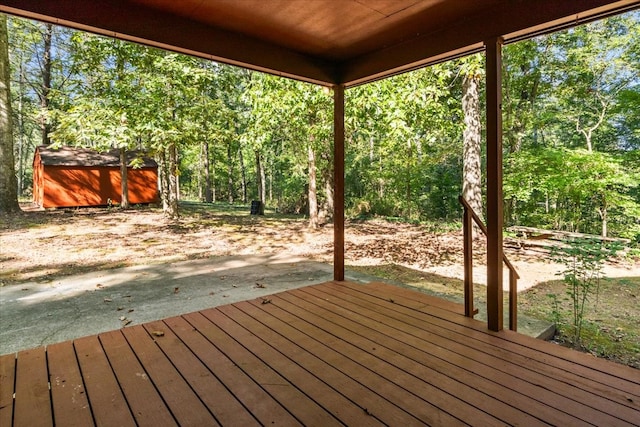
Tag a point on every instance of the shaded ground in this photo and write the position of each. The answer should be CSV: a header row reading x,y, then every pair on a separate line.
x,y
41,246
69,307
612,322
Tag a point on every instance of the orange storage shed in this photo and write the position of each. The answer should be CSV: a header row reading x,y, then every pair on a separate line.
x,y
70,177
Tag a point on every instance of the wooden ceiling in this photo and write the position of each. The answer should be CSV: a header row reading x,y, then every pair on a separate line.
x,y
320,41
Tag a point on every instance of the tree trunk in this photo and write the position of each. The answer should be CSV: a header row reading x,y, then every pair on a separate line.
x,y
271,183
177,172
200,176
21,126
243,176
602,210
371,149
230,172
313,195
213,184
471,185
172,206
409,174
208,195
164,179
8,183
46,83
328,190
124,181
261,181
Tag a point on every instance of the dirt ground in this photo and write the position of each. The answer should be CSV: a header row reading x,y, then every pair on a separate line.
x,y
43,245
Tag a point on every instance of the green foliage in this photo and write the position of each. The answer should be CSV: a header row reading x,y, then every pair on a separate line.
x,y
583,261
556,311
574,190
403,147
570,110
571,158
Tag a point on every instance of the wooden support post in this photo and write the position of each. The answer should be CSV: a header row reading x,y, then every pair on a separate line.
x,y
494,183
513,300
338,182
467,235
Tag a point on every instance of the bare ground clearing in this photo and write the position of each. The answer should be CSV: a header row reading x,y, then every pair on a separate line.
x,y
44,245
41,245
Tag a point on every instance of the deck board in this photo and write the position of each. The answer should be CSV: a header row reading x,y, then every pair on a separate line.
x,y
108,404
213,393
328,354
346,376
315,378
145,402
270,371
575,358
247,362
68,398
480,368
393,360
608,380
33,404
254,398
554,391
424,399
7,383
181,400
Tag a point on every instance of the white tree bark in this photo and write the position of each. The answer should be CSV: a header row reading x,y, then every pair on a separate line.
x,y
471,169
124,181
313,194
8,182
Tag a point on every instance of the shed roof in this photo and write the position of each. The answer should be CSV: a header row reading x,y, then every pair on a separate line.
x,y
72,156
321,41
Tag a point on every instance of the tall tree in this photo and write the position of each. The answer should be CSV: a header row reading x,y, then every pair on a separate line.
x,y
260,178
313,187
230,182
206,165
42,67
8,183
404,141
590,71
100,116
471,70
571,170
45,90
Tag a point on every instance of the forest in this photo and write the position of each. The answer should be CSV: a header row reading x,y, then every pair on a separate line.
x,y
414,142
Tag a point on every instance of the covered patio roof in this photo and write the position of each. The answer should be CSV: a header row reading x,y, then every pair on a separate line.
x,y
349,354
327,42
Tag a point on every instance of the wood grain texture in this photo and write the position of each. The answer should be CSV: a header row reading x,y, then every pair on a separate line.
x,y
68,396
181,400
7,381
220,401
337,353
108,404
32,407
143,398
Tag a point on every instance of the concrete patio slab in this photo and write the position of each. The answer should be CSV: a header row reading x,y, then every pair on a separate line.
x,y
45,312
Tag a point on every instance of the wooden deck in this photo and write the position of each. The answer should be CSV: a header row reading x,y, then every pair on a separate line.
x,y
328,354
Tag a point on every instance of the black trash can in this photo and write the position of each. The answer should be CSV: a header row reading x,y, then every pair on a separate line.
x,y
256,208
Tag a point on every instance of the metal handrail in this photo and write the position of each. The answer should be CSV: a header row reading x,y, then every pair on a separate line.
x,y
467,226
